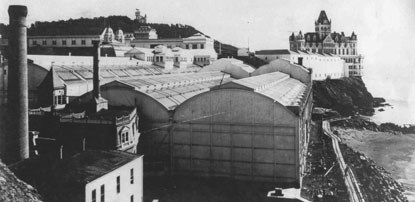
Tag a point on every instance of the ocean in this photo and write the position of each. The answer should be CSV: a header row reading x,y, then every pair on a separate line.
x,y
401,167
400,112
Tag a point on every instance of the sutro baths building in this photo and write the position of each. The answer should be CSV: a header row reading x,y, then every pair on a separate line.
x,y
255,128
324,41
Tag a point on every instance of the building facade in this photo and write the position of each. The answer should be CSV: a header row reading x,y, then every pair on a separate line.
x,y
323,40
323,65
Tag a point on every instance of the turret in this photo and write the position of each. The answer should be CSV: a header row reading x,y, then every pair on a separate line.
x,y
323,25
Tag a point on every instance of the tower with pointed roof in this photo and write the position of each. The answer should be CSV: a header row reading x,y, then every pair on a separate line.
x,y
323,25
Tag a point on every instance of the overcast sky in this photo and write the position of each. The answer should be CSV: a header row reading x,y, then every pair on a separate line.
x,y
385,28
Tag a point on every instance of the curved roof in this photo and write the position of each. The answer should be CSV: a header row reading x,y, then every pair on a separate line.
x,y
171,91
278,86
282,65
236,68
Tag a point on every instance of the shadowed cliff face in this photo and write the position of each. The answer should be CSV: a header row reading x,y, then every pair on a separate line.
x,y
346,95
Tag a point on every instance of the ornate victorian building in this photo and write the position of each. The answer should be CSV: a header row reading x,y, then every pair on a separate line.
x,y
325,41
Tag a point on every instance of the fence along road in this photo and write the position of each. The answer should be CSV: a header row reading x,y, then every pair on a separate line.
x,y
352,185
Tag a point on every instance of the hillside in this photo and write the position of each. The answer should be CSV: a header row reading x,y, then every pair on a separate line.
x,y
346,95
95,26
92,26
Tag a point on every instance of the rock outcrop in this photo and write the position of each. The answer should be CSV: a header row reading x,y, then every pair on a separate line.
x,y
348,96
13,189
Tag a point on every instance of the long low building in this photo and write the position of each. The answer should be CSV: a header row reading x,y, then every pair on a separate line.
x,y
56,80
323,65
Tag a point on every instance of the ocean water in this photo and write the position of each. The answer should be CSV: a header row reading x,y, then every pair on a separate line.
x,y
401,165
400,112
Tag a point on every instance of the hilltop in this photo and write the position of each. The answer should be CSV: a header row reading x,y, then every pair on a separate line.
x,y
95,26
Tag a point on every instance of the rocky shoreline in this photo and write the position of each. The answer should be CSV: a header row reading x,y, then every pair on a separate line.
x,y
376,183
362,123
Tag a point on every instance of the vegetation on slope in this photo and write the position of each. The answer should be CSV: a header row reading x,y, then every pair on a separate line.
x,y
348,96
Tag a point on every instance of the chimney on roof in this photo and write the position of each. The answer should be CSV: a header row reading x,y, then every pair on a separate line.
x,y
15,142
98,102
300,61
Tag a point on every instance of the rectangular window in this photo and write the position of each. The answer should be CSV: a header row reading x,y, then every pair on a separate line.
x,y
34,42
94,195
194,46
132,198
202,46
73,42
132,176
103,193
64,42
54,42
83,42
44,42
118,184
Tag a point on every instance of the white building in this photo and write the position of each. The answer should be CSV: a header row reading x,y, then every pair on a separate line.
x,y
89,176
163,57
323,65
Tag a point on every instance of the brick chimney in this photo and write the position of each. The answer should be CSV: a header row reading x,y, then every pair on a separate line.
x,y
98,102
16,139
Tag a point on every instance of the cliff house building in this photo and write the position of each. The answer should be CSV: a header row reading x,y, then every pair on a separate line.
x,y
324,41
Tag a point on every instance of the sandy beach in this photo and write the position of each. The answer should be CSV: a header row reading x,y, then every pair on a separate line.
x,y
396,153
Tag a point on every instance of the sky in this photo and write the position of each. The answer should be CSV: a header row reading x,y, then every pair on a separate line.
x,y
384,28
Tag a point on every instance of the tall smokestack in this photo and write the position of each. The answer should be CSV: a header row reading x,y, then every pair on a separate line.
x,y
96,91
98,102
17,137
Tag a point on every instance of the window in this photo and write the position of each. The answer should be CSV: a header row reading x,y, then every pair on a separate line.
x,y
202,46
64,42
83,42
44,42
54,42
118,184
102,193
194,46
73,42
187,46
132,198
132,176
94,195
59,99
